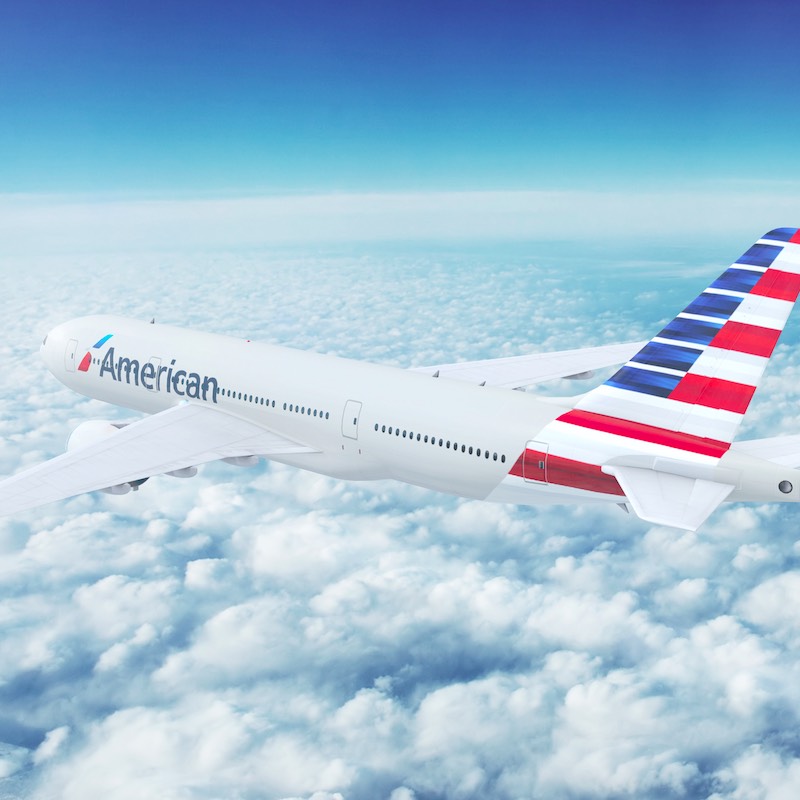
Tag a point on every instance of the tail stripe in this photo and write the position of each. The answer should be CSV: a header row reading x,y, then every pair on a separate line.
x,y
645,381
669,356
784,235
690,330
738,280
713,393
760,255
778,285
747,339
645,433
714,305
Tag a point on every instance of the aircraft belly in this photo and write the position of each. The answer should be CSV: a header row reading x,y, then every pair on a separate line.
x,y
519,492
336,465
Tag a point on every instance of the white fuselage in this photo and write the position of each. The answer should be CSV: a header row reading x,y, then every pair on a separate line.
x,y
331,404
365,421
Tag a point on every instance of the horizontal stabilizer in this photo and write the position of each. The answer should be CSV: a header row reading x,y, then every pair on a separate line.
x,y
667,499
783,450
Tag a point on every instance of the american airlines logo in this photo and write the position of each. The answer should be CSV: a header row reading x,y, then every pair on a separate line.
x,y
86,361
152,376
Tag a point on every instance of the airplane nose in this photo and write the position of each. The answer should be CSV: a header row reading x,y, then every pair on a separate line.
x,y
46,347
53,349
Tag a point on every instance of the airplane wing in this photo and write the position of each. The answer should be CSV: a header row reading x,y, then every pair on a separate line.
x,y
183,436
519,371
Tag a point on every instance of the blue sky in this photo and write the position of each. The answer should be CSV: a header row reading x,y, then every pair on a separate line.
x,y
249,97
316,175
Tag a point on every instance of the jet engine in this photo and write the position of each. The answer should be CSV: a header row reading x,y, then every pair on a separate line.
x,y
95,430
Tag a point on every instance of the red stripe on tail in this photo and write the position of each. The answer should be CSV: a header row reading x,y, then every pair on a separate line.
x,y
779,285
713,393
743,338
646,433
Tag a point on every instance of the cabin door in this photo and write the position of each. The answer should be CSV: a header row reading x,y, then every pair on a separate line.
x,y
69,355
534,462
352,411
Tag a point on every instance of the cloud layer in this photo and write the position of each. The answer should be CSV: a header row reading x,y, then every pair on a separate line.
x,y
271,633
53,224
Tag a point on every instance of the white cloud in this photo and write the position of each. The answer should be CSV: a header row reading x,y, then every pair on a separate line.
x,y
272,633
58,224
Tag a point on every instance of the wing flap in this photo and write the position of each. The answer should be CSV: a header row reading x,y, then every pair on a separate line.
x,y
183,436
668,499
519,371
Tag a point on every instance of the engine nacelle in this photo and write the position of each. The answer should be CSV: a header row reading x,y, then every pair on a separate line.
x,y
96,430
91,431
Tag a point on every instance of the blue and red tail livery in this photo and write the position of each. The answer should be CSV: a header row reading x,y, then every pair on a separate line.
x,y
697,376
683,396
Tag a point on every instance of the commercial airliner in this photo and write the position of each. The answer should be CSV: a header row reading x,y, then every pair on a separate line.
x,y
656,438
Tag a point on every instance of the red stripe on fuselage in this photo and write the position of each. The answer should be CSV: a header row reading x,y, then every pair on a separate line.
x,y
778,284
713,393
567,472
85,363
743,338
645,433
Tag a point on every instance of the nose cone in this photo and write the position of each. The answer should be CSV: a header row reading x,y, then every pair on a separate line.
x,y
54,350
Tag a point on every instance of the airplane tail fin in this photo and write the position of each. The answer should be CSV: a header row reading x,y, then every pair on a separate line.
x,y
688,388
694,380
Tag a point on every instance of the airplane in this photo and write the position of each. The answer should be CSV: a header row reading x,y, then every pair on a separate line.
x,y
656,438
